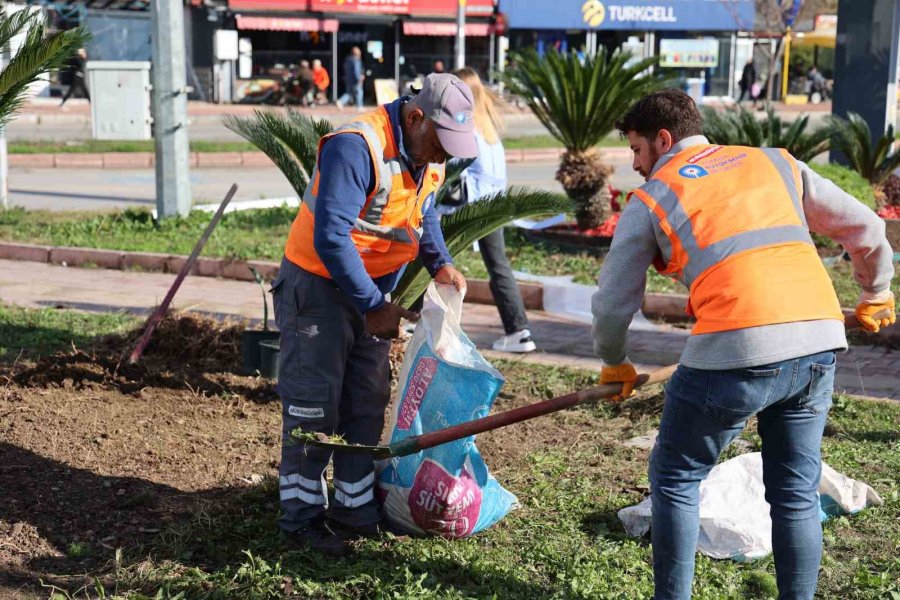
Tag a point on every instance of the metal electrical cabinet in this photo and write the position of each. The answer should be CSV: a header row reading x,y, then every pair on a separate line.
x,y
120,100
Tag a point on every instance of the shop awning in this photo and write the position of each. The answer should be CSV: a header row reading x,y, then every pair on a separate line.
x,y
824,39
256,23
444,29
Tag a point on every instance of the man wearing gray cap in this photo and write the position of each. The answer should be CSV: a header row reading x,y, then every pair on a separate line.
x,y
367,212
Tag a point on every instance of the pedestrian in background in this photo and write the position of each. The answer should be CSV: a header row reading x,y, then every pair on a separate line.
x,y
79,77
748,78
482,179
353,79
321,81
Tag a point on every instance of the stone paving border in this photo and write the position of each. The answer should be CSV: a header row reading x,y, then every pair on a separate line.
x,y
146,160
669,307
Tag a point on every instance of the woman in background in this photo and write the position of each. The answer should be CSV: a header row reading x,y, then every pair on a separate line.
x,y
486,177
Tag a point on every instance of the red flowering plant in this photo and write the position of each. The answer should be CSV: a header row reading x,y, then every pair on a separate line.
x,y
608,227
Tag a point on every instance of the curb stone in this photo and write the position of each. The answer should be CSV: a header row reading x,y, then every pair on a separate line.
x,y
669,307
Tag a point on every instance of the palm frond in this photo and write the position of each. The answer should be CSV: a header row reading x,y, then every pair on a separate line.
x,y
37,54
452,178
291,141
474,221
578,99
740,127
873,160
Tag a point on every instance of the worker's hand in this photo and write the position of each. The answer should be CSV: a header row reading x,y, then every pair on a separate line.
x,y
874,311
624,374
384,322
450,276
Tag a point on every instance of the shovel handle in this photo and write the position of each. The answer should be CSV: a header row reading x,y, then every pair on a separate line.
x,y
448,434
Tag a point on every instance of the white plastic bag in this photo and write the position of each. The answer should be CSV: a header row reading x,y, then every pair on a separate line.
x,y
734,514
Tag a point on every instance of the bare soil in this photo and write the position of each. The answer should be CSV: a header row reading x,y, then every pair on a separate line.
x,y
97,455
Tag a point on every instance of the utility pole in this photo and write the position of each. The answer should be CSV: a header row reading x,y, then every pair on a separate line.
x,y
169,105
461,34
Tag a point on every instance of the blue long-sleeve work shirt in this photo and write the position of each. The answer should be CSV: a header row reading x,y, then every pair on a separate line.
x,y
346,178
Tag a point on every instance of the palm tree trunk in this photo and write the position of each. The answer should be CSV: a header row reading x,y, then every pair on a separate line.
x,y
583,176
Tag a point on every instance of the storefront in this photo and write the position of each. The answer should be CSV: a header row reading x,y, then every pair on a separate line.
x,y
399,39
695,39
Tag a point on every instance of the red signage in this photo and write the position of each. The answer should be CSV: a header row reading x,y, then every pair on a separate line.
x,y
280,5
403,7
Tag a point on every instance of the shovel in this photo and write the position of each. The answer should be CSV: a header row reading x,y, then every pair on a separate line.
x,y
416,443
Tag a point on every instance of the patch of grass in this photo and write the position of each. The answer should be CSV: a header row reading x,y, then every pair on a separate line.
x,y
93,146
258,234
261,234
564,542
29,333
848,180
78,550
571,474
534,142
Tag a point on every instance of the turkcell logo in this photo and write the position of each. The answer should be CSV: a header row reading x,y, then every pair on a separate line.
x,y
693,171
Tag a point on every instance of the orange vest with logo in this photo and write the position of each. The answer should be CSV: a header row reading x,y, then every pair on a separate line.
x,y
388,228
729,221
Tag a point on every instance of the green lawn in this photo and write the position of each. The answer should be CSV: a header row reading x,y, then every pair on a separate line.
x,y
548,141
571,474
27,334
260,234
564,542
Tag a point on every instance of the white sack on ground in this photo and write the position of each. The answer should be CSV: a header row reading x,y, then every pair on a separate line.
x,y
734,515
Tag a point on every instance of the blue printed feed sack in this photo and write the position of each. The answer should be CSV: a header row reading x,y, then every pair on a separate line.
x,y
444,381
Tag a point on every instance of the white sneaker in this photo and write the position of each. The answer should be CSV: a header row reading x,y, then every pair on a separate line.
x,y
519,341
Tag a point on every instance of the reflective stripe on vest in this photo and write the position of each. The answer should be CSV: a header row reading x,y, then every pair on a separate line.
x,y
388,228
726,205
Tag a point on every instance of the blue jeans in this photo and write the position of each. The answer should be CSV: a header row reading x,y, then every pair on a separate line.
x,y
704,411
355,93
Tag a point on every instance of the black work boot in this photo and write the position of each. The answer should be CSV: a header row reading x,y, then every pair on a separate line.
x,y
317,537
356,532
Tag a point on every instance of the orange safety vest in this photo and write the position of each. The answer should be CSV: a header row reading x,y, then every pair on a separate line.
x,y
729,221
389,226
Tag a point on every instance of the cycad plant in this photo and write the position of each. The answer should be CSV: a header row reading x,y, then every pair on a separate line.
x,y
740,127
39,52
874,161
474,221
291,142
579,100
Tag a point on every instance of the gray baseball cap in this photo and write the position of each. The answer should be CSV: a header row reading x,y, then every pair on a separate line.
x,y
448,101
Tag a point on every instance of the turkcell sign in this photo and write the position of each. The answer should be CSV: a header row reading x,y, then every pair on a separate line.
x,y
643,14
633,15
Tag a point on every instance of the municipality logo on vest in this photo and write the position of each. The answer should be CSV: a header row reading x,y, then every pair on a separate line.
x,y
693,172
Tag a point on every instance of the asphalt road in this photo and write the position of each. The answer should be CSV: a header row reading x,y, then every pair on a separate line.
x,y
105,189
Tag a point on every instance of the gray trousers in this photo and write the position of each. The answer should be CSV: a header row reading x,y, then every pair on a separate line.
x,y
503,284
334,378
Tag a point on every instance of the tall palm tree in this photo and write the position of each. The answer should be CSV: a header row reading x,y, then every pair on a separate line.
x,y
579,100
291,141
40,52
